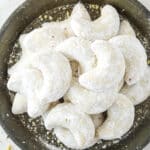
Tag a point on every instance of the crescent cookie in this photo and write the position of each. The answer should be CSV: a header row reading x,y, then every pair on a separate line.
x,y
78,49
120,118
68,116
89,101
103,28
110,69
140,91
134,54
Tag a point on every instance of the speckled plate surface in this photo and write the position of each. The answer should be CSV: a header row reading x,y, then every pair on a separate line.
x,y
30,134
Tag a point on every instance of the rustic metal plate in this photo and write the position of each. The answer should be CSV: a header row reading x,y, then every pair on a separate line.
x,y
30,134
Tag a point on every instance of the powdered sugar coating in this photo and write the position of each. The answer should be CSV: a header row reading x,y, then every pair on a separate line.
x,y
78,49
110,69
89,101
126,28
119,121
140,91
78,123
37,80
134,54
19,105
103,28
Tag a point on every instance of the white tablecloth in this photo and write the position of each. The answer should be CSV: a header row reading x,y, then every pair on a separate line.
x,y
6,8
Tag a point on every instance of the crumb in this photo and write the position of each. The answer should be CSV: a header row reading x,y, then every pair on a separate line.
x,y
45,16
50,18
9,147
7,115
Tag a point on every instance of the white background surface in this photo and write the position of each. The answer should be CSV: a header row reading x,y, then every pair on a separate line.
x,y
6,8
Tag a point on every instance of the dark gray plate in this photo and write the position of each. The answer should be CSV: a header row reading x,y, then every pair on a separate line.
x,y
137,137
